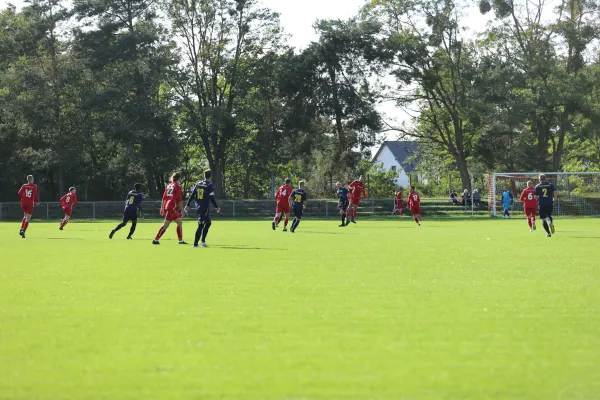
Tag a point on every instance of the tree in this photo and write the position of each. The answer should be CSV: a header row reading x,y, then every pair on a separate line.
x,y
222,41
432,57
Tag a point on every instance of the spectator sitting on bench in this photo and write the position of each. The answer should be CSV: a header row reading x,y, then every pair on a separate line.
x,y
466,197
453,197
476,198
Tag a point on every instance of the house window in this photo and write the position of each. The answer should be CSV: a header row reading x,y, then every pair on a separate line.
x,y
393,167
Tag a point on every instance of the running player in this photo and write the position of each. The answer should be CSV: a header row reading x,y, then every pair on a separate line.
x,y
298,200
529,205
133,202
67,202
171,202
414,204
545,194
283,204
29,196
204,193
398,202
342,194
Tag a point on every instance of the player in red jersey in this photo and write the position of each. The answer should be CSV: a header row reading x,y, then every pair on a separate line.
x,y
357,189
529,205
67,202
29,196
398,203
283,204
414,204
172,201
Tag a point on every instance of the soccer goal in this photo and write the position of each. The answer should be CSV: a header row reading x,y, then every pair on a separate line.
x,y
578,193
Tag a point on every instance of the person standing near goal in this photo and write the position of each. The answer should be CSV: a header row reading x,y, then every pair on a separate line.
x,y
414,204
507,199
545,194
29,196
529,205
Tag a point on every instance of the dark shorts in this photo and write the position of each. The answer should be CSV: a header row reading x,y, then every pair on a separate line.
x,y
546,210
344,205
298,211
130,216
203,215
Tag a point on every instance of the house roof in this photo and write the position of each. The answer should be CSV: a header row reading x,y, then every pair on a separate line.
x,y
402,150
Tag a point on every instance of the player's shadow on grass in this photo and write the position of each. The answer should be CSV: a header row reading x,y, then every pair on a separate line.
x,y
344,232
64,238
586,237
245,248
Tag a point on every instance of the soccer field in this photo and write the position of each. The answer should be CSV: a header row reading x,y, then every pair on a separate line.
x,y
455,309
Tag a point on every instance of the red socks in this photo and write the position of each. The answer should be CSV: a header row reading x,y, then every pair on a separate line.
x,y
353,214
276,219
416,220
529,222
23,221
161,231
25,226
64,222
180,233
285,222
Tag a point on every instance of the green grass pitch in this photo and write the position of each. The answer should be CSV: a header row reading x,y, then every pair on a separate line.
x,y
455,309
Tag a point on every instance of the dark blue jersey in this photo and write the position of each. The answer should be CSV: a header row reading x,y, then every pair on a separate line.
x,y
342,194
298,197
204,193
133,200
545,193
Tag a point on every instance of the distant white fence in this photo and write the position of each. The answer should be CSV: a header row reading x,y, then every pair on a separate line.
x,y
235,209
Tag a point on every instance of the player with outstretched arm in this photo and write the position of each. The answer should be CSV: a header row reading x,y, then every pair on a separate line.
x,y
414,204
172,201
204,193
133,202
298,203
67,202
545,194
29,197
357,189
283,204
529,205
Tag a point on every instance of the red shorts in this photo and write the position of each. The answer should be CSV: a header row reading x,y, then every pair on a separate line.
x,y
27,208
415,210
355,201
398,203
68,211
282,208
172,215
530,212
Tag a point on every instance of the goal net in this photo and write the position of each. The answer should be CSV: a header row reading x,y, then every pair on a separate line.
x,y
578,193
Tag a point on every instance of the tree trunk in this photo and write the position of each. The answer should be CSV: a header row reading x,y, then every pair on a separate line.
x,y
461,163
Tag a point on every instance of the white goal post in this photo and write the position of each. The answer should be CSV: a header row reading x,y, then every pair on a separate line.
x,y
578,193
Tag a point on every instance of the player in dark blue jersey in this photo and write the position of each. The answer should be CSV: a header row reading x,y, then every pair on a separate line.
x,y
545,194
204,193
297,203
133,202
343,202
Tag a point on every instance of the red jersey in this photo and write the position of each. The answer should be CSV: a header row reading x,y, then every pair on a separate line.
x,y
172,196
399,195
413,199
29,194
283,194
357,188
528,198
68,200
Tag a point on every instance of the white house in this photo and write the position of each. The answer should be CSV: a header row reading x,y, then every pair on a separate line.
x,y
399,156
